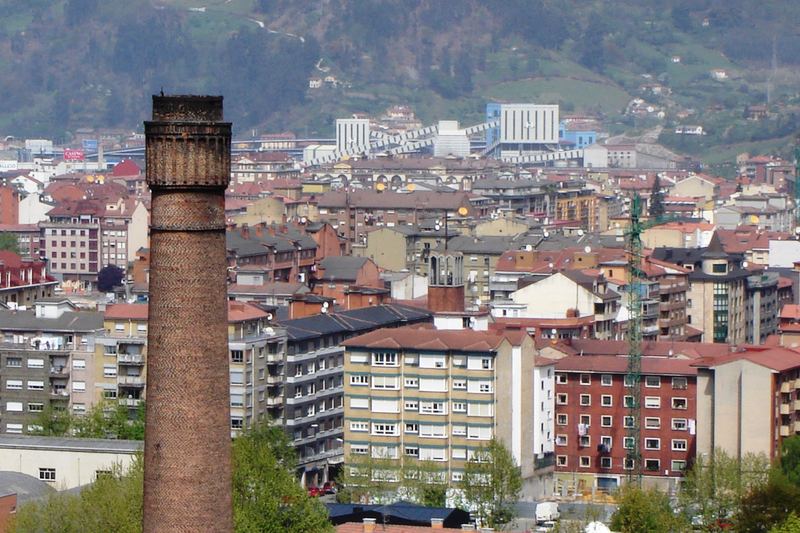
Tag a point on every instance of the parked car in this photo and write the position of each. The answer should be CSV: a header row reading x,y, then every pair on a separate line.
x,y
314,492
546,512
329,487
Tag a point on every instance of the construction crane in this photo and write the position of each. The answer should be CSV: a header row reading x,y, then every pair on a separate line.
x,y
797,179
633,378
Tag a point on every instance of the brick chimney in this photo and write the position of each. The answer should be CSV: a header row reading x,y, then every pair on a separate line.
x,y
245,231
369,525
437,523
187,448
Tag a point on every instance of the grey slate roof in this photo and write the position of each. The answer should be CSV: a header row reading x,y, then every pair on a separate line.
x,y
342,268
353,321
24,486
68,321
31,442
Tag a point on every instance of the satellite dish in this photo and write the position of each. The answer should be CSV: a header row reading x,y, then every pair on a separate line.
x,y
269,331
588,249
463,211
325,305
546,234
380,187
269,316
411,187
580,232
550,265
303,220
553,332
477,302
528,248
745,264
437,227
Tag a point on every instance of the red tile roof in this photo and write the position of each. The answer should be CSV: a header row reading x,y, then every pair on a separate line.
x,y
427,339
774,358
237,312
126,168
619,365
790,312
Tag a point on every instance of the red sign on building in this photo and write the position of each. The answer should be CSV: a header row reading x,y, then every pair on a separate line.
x,y
73,155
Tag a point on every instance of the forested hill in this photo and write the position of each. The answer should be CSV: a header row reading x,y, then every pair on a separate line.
x,y
94,63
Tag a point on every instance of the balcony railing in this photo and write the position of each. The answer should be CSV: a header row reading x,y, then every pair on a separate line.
x,y
130,402
546,461
136,359
136,381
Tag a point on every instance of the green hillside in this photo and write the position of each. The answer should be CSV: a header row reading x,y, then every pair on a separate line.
x,y
93,63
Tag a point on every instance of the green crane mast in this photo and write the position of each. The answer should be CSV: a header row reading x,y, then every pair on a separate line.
x,y
797,179
633,378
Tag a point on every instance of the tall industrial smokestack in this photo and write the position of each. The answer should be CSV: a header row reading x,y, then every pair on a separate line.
x,y
187,449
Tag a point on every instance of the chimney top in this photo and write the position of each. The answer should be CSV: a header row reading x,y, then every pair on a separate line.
x,y
187,108
369,525
437,523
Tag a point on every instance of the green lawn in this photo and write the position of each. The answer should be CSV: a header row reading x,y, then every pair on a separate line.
x,y
584,95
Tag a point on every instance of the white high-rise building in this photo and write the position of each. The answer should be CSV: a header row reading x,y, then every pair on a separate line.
x,y
351,133
451,141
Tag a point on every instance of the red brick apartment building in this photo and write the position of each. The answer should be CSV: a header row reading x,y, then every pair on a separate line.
x,y
592,420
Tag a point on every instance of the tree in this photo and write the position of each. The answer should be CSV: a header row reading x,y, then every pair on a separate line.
x,y
790,525
714,487
656,199
790,459
266,495
491,484
103,421
642,511
109,277
768,505
9,242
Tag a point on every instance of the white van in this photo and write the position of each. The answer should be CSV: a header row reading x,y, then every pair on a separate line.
x,y
546,512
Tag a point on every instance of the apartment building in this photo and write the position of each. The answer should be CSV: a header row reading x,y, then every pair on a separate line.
x,y
593,416
255,347
22,281
262,166
313,385
422,394
284,253
403,246
28,240
46,357
748,401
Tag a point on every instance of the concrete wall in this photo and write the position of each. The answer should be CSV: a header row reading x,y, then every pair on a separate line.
x,y
551,297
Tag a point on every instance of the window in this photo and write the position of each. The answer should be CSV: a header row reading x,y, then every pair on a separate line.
x,y
359,403
586,461
586,379
78,364
679,445
119,326
479,386
459,360
584,441
628,464
459,453
411,382
561,398
606,400
411,405
14,384
679,403
561,440
561,378
433,454
237,422
385,382
459,384
359,426
652,465
459,430
459,407
480,409
35,407
110,371
237,400
678,466
432,408
35,385
47,474
652,423
652,444
432,361
79,386
412,428
561,460
586,420
627,443
359,380
359,449
432,431
385,406
237,356
433,384
411,360
479,433
384,359
35,363
384,452
458,476
358,357
606,421
586,399
477,362
679,383
14,362
384,429
628,401
605,462
628,380
606,380
561,419
679,424
652,381
652,402
411,451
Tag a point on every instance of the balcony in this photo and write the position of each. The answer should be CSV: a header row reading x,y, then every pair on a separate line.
x,y
274,401
274,380
330,392
59,394
786,387
673,287
59,372
130,402
294,400
547,460
784,431
796,426
131,381
785,409
130,359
